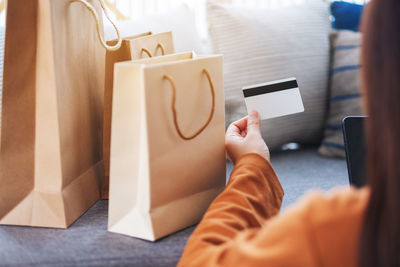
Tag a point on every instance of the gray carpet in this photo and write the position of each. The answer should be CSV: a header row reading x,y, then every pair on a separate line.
x,y
87,242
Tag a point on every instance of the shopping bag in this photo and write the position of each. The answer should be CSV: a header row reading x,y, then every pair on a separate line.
x,y
52,112
135,47
167,143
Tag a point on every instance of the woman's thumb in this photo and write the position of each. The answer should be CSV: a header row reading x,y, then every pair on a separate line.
x,y
253,122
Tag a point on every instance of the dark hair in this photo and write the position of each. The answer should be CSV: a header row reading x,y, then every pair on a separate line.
x,y
380,236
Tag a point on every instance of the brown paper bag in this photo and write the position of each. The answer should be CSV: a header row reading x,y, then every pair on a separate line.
x,y
135,47
52,112
167,143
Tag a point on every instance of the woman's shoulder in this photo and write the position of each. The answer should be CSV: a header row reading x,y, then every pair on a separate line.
x,y
338,203
317,212
322,229
333,221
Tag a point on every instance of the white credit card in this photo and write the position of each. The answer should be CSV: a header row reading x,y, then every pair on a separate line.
x,y
274,99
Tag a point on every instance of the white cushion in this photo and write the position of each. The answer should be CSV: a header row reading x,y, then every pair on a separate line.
x,y
267,44
180,21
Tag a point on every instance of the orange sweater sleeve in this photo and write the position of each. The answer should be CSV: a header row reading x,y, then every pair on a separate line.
x,y
252,196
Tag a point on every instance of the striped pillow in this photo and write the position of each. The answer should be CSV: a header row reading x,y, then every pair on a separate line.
x,y
267,44
345,95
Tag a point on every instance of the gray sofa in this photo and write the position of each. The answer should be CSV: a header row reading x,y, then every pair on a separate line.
x,y
87,242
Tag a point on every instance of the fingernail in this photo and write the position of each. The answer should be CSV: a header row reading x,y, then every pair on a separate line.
x,y
253,113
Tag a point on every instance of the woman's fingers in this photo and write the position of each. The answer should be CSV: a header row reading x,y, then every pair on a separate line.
x,y
238,127
253,124
244,137
232,130
242,123
250,123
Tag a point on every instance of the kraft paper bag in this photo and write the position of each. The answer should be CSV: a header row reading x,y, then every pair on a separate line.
x,y
144,45
52,112
167,143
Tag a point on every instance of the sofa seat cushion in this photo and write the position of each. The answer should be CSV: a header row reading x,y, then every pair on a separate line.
x,y
87,242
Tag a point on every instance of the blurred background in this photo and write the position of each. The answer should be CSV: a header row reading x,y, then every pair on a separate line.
x,y
130,9
135,9
187,19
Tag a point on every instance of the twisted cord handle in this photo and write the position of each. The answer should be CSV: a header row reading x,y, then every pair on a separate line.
x,y
149,54
173,108
96,18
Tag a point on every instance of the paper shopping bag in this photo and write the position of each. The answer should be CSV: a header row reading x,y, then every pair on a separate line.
x,y
52,112
167,143
135,47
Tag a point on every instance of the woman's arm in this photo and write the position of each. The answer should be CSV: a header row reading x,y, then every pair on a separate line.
x,y
253,195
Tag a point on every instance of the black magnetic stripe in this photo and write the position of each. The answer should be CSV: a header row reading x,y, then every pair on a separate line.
x,y
270,88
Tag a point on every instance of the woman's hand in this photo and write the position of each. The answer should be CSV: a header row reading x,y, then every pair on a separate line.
x,y
244,137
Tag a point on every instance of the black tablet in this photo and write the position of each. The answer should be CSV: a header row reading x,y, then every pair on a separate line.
x,y
356,149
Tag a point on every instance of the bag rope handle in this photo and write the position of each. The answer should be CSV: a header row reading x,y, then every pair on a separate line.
x,y
96,18
173,108
162,48
148,52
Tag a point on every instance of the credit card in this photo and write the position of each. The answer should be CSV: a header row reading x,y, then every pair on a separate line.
x,y
274,99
